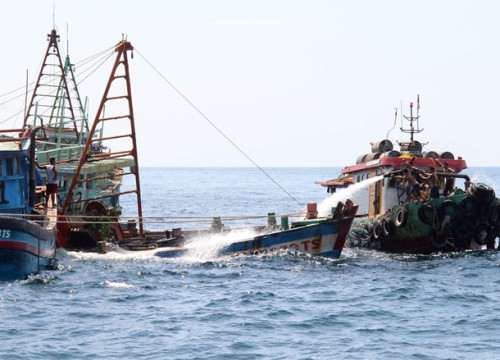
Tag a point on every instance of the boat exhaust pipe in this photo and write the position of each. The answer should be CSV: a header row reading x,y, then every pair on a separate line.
x,y
394,172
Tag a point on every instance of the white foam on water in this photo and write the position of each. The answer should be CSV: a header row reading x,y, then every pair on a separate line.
x,y
325,208
199,249
114,252
205,248
118,285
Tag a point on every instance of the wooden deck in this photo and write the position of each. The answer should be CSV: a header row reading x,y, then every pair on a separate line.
x,y
50,219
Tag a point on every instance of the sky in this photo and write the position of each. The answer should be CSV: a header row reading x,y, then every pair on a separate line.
x,y
290,83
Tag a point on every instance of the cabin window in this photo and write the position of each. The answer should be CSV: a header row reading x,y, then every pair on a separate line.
x,y
358,179
367,176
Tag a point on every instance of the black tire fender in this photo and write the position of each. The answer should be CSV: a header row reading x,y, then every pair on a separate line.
x,y
482,233
378,232
387,226
468,206
481,192
449,207
434,240
400,216
493,215
425,213
369,230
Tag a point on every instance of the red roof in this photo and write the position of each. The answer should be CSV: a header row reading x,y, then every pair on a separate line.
x,y
456,164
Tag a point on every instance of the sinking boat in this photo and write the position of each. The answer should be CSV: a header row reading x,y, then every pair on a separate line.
x,y
27,231
397,213
315,236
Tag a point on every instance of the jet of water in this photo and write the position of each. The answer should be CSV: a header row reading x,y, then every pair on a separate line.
x,y
325,208
204,248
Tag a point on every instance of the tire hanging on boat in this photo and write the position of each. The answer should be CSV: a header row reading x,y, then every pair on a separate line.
x,y
449,207
426,213
387,226
469,206
435,241
482,234
462,231
369,230
481,192
401,216
493,215
378,232
490,240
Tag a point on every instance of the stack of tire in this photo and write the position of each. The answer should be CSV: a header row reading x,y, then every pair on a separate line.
x,y
384,227
475,218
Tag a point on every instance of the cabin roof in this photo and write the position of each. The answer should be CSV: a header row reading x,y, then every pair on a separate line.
x,y
456,164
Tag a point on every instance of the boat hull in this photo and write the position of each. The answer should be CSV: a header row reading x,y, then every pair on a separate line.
x,y
25,248
318,238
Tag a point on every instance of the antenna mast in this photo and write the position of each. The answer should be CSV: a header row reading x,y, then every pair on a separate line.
x,y
412,130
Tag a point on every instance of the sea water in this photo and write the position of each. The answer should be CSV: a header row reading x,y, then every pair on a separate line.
x,y
365,305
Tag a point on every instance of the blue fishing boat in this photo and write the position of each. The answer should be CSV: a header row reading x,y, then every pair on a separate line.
x,y
315,236
27,230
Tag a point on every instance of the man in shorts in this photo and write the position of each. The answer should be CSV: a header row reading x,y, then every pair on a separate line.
x,y
51,181
412,182
433,182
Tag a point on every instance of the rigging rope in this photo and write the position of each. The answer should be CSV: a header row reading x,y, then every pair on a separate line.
x,y
99,63
216,128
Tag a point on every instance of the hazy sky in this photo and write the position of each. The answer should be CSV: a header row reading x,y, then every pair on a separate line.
x,y
292,83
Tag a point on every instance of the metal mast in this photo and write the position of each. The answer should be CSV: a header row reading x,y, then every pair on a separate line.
x,y
122,117
412,119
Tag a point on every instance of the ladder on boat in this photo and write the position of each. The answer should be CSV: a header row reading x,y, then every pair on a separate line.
x,y
116,110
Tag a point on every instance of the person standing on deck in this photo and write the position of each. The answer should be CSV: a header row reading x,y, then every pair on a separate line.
x,y
51,182
448,185
408,177
433,182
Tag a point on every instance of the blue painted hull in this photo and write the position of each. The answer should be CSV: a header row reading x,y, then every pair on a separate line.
x,y
323,238
22,253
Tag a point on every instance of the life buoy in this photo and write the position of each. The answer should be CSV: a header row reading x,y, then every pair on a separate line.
x,y
481,192
436,241
450,208
387,226
426,213
400,216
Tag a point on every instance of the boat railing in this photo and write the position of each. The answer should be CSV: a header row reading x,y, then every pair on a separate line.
x,y
440,174
65,151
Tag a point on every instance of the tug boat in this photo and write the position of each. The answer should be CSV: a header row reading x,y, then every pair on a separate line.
x,y
400,217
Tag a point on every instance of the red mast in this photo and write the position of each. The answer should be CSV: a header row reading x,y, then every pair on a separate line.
x,y
49,83
123,116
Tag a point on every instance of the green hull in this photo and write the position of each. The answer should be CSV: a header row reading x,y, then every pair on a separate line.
x,y
460,222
